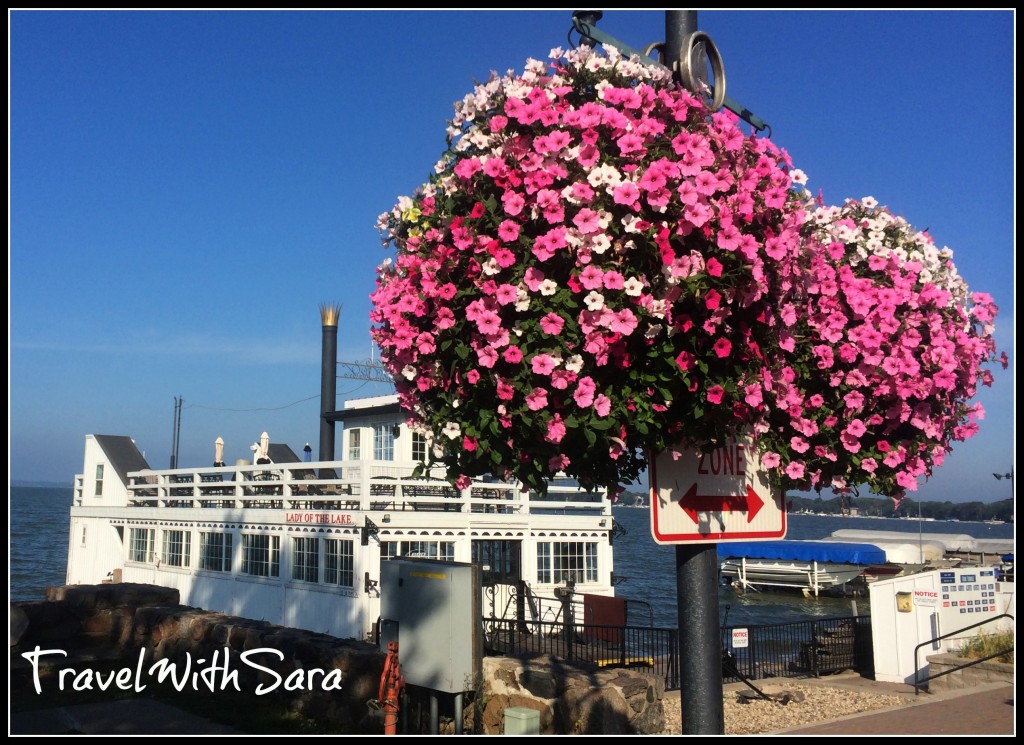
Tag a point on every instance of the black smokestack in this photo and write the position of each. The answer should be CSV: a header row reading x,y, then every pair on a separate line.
x,y
328,379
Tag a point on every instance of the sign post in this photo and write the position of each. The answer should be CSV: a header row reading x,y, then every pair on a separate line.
x,y
697,501
713,497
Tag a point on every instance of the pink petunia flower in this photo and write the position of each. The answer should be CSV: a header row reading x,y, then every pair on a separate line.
x,y
543,364
537,399
556,430
552,324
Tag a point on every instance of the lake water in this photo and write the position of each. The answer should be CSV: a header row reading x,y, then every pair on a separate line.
x,y
39,544
650,573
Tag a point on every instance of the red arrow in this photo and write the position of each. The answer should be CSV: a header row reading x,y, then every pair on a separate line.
x,y
750,503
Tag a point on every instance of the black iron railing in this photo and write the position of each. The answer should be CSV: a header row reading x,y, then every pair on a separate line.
x,y
653,649
785,650
817,647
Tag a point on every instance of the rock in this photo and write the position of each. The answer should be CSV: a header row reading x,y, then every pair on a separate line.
x,y
18,622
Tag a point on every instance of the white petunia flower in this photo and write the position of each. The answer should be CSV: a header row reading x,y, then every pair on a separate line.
x,y
633,287
548,288
452,430
600,243
594,300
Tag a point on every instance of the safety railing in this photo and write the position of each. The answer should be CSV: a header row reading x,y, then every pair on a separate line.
x,y
919,682
786,650
350,485
652,649
821,646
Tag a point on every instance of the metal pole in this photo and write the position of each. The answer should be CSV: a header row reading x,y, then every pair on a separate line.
x,y
177,430
678,23
328,382
174,431
700,641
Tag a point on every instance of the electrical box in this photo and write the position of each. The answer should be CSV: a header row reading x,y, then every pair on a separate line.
x,y
915,609
520,720
433,609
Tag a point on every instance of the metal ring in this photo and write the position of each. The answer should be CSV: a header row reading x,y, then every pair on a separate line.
x,y
688,67
655,46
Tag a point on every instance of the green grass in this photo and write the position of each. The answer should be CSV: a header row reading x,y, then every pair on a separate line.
x,y
984,645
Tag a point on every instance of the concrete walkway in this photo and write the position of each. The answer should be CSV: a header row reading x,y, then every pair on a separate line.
x,y
982,710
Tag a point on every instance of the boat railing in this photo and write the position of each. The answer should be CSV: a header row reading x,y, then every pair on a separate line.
x,y
347,485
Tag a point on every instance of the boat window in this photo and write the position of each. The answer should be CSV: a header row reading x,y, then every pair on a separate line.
x,y
499,561
384,442
140,545
443,550
559,561
419,447
176,548
338,568
215,551
261,555
306,559
354,449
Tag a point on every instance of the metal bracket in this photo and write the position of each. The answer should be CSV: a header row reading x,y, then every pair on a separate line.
x,y
369,585
368,531
583,22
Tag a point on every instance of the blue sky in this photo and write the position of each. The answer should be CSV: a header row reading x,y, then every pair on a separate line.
x,y
187,187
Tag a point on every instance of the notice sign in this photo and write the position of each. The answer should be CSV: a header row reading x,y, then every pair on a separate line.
x,y
718,496
740,638
926,598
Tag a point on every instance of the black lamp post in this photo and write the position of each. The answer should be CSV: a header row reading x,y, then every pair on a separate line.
x,y
1001,476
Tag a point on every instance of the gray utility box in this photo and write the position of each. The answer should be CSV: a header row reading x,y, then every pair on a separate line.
x,y
436,608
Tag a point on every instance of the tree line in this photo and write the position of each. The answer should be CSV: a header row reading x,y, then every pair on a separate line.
x,y
883,507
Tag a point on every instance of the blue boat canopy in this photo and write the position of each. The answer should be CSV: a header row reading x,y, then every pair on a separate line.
x,y
820,551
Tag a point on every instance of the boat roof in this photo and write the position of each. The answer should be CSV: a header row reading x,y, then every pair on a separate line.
x,y
281,453
824,551
122,453
951,541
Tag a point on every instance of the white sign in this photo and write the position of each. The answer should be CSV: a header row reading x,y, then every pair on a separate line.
x,y
926,598
740,638
715,497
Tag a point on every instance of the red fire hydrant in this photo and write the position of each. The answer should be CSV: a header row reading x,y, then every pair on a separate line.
x,y
391,684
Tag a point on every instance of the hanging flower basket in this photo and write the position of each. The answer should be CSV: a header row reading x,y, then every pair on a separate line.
x,y
591,274
886,346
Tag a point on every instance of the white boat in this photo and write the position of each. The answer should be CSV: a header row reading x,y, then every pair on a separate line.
x,y
300,544
810,566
